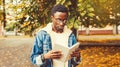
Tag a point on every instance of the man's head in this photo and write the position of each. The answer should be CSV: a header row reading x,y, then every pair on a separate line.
x,y
59,16
59,8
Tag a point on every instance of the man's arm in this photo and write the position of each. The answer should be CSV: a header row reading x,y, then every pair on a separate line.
x,y
76,55
40,48
37,50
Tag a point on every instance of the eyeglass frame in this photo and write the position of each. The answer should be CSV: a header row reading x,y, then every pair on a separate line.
x,y
60,20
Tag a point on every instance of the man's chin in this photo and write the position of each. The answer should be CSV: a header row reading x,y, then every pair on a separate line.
x,y
61,28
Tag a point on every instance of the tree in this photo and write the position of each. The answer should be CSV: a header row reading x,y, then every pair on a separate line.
x,y
84,12
108,12
38,14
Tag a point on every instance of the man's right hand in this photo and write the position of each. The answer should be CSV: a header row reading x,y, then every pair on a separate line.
x,y
53,55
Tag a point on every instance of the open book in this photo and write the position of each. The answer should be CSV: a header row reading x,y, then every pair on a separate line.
x,y
66,51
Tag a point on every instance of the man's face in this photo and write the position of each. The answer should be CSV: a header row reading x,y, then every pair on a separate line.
x,y
59,20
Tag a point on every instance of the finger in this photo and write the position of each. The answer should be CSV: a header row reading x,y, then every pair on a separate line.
x,y
56,52
75,52
75,55
56,55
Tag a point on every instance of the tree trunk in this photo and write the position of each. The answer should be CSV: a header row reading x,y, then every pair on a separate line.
x,y
87,31
4,14
115,29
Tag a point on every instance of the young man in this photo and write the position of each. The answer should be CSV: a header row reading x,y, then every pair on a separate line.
x,y
55,32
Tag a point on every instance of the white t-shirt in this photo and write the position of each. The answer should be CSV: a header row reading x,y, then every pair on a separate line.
x,y
62,39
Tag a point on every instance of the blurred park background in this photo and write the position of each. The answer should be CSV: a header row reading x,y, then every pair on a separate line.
x,y
96,24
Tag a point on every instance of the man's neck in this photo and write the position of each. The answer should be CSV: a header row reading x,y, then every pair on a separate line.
x,y
57,31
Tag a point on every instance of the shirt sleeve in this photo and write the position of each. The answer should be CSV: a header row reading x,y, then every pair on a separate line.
x,y
74,62
37,50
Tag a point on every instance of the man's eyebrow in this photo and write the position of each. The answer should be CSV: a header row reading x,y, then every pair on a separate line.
x,y
61,19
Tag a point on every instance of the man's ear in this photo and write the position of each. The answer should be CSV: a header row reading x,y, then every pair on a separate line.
x,y
52,17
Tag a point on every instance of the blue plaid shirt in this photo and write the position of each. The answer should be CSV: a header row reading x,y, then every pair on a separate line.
x,y
43,44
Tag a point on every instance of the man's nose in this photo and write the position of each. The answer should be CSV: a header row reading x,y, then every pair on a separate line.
x,y
62,23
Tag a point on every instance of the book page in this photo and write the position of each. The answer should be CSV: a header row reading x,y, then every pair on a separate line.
x,y
63,49
71,49
66,51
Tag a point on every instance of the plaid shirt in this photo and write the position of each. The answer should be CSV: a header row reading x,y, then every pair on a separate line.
x,y
42,45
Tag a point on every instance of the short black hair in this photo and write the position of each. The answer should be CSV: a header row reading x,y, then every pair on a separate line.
x,y
59,8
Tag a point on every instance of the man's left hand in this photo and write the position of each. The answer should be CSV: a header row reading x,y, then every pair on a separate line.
x,y
76,54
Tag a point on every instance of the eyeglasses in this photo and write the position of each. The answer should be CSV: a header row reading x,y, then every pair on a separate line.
x,y
60,20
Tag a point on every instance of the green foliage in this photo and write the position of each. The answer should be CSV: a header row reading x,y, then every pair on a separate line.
x,y
10,26
85,12
0,2
106,9
1,15
38,12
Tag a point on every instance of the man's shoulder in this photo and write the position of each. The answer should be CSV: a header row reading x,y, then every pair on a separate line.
x,y
42,32
72,34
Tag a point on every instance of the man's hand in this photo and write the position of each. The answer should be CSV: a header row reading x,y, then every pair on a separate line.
x,y
53,55
76,54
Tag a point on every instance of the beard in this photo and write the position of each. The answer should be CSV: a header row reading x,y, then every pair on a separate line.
x,y
60,28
